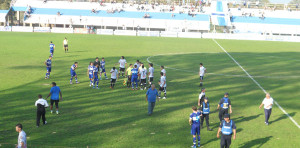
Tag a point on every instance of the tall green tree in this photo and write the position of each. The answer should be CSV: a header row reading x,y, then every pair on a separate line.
x,y
4,4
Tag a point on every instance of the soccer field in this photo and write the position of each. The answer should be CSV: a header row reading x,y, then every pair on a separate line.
x,y
118,118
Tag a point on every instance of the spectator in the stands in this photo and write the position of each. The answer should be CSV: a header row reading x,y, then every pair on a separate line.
x,y
93,11
58,13
45,1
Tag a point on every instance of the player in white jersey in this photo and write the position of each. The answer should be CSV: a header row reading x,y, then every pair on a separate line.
x,y
143,76
162,86
123,65
114,76
151,73
90,73
202,71
162,69
65,42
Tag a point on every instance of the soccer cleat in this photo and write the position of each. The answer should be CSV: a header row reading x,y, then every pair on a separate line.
x,y
77,82
106,78
98,87
193,146
45,122
198,144
51,112
141,88
267,123
71,82
164,98
93,87
100,78
209,129
158,97
56,112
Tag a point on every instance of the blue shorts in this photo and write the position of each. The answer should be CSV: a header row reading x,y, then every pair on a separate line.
x,y
73,73
134,79
48,69
96,78
51,51
103,70
91,76
195,129
201,77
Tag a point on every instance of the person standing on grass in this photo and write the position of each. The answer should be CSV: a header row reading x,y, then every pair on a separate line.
x,y
41,104
65,44
151,96
56,96
202,71
134,77
143,76
195,125
97,62
151,73
162,69
201,97
102,65
163,86
114,75
73,73
123,65
90,73
224,103
52,47
48,63
227,128
22,140
95,76
128,75
267,102
205,113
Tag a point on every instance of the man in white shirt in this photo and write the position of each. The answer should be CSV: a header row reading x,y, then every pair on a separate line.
x,y
163,86
22,141
202,71
267,102
66,45
41,104
162,69
114,74
151,74
143,76
123,65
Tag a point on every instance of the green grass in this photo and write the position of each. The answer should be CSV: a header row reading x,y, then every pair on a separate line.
x,y
118,118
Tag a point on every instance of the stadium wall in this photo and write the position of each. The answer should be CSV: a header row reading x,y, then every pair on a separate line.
x,y
240,36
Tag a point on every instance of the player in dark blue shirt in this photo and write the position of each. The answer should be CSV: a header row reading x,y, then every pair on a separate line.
x,y
96,72
52,47
48,63
134,77
102,66
73,73
195,123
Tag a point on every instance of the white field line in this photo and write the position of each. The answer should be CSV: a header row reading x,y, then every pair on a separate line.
x,y
257,83
217,74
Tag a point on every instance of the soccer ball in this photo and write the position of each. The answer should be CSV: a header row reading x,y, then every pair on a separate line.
x,y
124,82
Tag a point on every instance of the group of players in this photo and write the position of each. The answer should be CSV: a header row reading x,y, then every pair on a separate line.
x,y
136,73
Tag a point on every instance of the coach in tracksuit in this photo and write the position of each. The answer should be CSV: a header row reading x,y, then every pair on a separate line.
x,y
41,104
227,128
224,103
205,113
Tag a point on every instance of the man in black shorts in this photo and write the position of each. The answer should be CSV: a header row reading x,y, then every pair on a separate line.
x,y
66,45
97,62
56,95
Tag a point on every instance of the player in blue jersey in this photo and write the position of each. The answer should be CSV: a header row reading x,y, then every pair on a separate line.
x,y
95,76
90,73
102,66
73,73
195,124
52,47
48,63
134,77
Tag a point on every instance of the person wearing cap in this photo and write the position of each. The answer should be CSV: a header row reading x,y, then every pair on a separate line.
x,y
227,128
97,62
41,104
201,97
224,103
195,125
267,102
205,113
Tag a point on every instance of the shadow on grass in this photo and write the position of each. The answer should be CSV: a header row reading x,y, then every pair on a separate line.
x,y
256,142
283,116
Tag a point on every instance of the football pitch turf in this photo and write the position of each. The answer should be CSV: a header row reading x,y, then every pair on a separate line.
x,y
118,118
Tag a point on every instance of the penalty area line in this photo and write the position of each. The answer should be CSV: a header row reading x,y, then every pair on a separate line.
x,y
257,83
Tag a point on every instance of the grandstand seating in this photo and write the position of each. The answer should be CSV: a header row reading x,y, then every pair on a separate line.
x,y
3,14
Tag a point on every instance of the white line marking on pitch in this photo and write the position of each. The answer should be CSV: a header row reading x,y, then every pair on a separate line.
x,y
256,83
